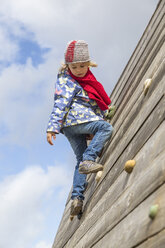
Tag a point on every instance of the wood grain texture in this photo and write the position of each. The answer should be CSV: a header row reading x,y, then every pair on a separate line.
x,y
115,162
112,208
139,50
156,241
137,226
134,108
154,146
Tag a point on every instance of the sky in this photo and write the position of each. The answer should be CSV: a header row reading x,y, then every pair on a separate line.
x,y
36,178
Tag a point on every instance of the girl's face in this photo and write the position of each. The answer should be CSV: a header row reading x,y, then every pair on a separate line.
x,y
79,69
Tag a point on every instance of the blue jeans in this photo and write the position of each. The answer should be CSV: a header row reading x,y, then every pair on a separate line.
x,y
76,135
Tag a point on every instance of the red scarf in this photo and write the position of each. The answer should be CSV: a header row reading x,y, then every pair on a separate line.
x,y
94,89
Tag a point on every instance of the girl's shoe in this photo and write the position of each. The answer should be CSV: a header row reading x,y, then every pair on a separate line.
x,y
76,207
87,167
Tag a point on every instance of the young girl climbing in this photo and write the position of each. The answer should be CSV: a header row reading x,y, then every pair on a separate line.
x,y
80,105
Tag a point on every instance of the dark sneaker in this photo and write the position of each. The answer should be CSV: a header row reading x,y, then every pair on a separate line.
x,y
76,207
87,167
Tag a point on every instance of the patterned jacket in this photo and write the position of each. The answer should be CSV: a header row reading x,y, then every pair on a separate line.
x,y
72,105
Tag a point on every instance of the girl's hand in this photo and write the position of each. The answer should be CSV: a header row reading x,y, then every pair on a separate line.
x,y
49,137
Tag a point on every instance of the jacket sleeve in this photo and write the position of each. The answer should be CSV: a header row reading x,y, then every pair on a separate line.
x,y
65,90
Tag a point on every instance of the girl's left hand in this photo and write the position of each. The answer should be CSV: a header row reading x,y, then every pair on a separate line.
x,y
49,137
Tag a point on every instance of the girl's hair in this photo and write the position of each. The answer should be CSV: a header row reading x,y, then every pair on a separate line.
x,y
65,66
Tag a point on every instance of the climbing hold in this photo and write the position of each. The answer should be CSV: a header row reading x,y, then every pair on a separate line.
x,y
111,112
98,176
147,84
153,211
129,165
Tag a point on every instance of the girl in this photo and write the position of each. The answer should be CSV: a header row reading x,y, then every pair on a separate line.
x,y
80,105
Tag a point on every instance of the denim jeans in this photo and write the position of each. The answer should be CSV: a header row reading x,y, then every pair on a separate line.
x,y
76,135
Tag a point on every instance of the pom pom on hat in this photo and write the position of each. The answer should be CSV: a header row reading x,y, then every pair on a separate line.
x,y
76,52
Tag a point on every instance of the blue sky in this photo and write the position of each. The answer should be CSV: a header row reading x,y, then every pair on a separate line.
x,y
35,178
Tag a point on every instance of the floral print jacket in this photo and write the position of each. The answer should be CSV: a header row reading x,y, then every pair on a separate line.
x,y
72,105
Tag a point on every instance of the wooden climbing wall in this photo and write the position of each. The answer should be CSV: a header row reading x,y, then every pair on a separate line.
x,y
116,209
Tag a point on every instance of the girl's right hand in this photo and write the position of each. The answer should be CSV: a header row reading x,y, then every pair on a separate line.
x,y
49,137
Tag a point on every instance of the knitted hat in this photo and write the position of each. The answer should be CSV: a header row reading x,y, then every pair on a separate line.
x,y
76,52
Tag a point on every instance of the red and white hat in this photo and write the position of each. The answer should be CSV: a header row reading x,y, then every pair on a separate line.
x,y
76,52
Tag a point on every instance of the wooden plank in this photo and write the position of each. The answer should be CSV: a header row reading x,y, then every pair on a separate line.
x,y
130,112
110,211
140,69
137,226
64,221
105,184
140,50
157,241
133,106
148,33
137,115
153,148
129,90
155,118
70,228
134,91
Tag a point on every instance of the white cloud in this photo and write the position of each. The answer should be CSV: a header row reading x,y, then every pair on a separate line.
x,y
26,97
8,48
42,17
54,21
24,197
43,244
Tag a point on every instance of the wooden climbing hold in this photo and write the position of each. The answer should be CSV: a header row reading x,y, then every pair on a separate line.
x,y
147,84
153,211
129,165
98,176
